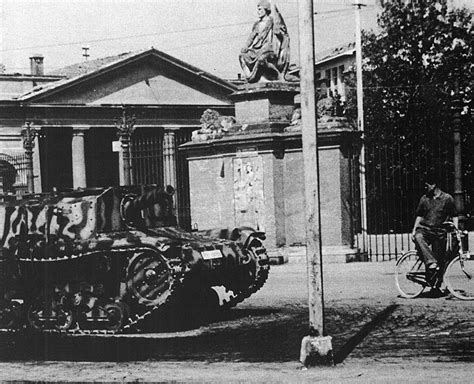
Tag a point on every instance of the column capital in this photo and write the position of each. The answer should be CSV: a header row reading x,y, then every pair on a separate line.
x,y
171,127
80,129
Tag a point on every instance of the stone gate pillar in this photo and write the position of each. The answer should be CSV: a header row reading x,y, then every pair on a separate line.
x,y
251,174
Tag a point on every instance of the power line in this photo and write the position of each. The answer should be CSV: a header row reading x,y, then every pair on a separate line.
x,y
333,11
120,37
158,33
432,85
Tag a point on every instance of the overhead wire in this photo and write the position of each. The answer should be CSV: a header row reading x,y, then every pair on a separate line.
x,y
160,33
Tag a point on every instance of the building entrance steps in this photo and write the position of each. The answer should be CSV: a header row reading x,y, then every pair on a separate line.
x,y
297,254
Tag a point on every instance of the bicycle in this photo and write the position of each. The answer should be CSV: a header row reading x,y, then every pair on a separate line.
x,y
456,270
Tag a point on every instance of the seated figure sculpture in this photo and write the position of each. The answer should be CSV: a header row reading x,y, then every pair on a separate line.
x,y
266,55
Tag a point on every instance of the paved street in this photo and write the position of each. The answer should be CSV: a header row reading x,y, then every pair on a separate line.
x,y
376,337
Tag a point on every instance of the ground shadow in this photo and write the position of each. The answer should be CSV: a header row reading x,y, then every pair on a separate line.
x,y
355,340
254,335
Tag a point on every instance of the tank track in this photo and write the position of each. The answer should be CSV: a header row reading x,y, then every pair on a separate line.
x,y
263,267
178,270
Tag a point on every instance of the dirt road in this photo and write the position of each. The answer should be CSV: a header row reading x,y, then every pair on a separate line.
x,y
377,337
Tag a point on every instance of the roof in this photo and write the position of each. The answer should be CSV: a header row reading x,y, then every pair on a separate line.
x,y
347,49
330,54
78,73
89,66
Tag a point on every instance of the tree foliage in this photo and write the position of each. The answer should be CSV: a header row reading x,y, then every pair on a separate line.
x,y
411,66
409,72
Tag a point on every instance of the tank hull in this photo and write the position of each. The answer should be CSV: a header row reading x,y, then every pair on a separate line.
x,y
105,260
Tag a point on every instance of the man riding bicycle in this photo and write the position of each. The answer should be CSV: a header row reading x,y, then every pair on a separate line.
x,y
434,208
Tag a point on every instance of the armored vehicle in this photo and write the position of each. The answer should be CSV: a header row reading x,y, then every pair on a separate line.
x,y
103,260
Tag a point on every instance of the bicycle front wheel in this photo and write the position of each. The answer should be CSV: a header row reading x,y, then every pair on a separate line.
x,y
410,275
459,277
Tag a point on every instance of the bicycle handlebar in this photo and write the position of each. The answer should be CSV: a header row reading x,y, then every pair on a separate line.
x,y
449,226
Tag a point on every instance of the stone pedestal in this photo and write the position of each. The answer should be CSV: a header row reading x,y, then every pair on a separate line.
x,y
259,104
316,350
253,175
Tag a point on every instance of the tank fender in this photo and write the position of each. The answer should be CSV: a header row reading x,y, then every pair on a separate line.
x,y
245,235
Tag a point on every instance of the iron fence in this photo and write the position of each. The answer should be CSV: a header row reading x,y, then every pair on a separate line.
x,y
14,169
395,166
147,156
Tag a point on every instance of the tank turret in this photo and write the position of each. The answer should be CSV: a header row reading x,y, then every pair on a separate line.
x,y
107,258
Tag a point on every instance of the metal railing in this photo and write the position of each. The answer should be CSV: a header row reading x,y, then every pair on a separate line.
x,y
13,169
394,175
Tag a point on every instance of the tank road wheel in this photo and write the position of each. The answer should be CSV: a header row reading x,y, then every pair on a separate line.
x,y
149,278
64,319
117,315
44,314
9,314
36,316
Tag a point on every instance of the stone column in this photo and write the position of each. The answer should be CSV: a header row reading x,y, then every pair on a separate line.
x,y
29,133
37,167
169,159
169,166
125,125
121,168
78,157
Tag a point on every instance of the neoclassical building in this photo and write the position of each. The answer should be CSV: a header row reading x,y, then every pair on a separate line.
x,y
75,110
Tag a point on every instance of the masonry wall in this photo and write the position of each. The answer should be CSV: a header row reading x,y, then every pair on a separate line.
x,y
211,192
330,197
212,195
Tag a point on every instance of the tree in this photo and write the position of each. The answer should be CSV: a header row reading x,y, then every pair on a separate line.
x,y
409,70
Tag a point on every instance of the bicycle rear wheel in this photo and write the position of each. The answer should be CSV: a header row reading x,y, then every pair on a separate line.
x,y
410,275
459,278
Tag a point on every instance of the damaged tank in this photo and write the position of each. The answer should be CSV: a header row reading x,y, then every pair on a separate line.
x,y
105,259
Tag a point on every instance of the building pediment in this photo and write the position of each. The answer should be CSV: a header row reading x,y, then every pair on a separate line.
x,y
150,77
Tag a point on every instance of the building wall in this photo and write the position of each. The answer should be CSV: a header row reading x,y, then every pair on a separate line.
x,y
330,75
214,196
330,196
212,202
12,86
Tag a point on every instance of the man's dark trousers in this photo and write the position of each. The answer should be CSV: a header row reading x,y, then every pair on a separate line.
x,y
436,237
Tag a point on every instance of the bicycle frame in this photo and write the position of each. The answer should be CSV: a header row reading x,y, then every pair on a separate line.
x,y
420,277
462,253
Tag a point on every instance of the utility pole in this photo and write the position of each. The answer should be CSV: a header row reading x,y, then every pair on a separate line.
x,y
28,133
315,348
360,124
125,125
456,107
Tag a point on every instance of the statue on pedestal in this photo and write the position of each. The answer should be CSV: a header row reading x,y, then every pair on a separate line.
x,y
266,55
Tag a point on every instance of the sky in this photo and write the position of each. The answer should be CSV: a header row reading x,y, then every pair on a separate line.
x,y
208,34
